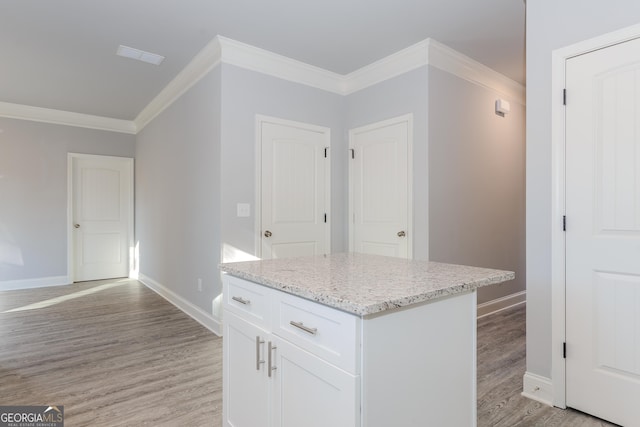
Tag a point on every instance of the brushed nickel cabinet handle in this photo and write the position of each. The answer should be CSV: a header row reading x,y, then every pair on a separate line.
x,y
76,225
401,234
241,300
307,329
270,366
258,360
267,234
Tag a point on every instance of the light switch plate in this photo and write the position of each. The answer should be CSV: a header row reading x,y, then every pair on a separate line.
x,y
244,210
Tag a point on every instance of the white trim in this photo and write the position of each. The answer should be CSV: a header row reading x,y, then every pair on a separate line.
x,y
260,119
193,311
537,388
384,123
224,50
66,118
70,220
41,282
453,62
266,62
499,304
558,180
398,63
200,65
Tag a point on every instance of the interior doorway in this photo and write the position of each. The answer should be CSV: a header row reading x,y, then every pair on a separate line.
x,y
380,188
100,219
293,207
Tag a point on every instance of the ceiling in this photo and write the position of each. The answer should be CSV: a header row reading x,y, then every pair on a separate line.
x,y
60,54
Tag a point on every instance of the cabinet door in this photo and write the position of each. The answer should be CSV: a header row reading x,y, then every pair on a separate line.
x,y
246,397
310,392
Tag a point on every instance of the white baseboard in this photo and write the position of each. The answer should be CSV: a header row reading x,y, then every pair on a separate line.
x,y
537,388
195,312
499,304
41,282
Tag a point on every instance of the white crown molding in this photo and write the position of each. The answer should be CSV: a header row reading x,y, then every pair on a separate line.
x,y
453,62
224,50
202,63
398,63
68,118
266,62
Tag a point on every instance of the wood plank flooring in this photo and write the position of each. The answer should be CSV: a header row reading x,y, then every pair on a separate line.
x,y
116,354
501,366
113,353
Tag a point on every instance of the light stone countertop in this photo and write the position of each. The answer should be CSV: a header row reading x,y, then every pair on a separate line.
x,y
365,284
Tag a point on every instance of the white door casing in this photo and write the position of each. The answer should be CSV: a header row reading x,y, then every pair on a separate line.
x,y
603,233
293,188
101,217
380,188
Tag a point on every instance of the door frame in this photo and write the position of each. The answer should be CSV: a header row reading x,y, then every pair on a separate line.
x,y
559,58
71,158
260,119
408,118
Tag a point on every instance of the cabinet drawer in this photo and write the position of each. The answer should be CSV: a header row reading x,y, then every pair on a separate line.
x,y
326,332
248,300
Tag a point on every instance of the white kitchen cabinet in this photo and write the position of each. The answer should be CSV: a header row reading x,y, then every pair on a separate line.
x,y
310,392
360,341
270,381
245,402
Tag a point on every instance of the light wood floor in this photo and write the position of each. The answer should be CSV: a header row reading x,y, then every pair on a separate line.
x,y
501,366
116,354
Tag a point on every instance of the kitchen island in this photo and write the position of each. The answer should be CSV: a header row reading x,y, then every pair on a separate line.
x,y
350,340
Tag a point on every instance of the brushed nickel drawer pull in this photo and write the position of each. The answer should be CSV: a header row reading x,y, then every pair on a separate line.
x,y
307,329
241,300
258,360
270,366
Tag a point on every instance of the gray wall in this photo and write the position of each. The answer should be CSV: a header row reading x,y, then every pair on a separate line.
x,y
246,93
407,93
552,25
33,192
178,194
476,180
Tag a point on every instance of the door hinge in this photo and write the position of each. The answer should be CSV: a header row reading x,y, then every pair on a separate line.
x,y
353,153
564,97
325,218
325,152
564,350
564,223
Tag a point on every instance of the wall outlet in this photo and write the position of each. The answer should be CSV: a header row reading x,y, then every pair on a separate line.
x,y
200,284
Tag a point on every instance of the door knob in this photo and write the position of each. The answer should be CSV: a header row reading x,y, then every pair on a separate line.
x,y
267,233
401,234
76,225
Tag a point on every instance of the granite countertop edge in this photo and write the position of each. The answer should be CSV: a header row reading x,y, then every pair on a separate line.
x,y
361,309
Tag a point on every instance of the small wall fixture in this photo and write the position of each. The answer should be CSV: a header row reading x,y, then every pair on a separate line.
x,y
502,107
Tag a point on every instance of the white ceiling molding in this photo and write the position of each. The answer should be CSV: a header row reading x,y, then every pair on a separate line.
x,y
202,63
224,50
452,61
68,118
398,63
266,62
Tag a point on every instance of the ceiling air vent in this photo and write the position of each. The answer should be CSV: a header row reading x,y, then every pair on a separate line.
x,y
140,55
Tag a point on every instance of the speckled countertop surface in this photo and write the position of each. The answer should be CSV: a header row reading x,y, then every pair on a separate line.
x,y
365,284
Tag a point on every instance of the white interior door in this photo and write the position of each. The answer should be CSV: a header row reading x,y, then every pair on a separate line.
x,y
380,180
603,233
295,189
102,218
